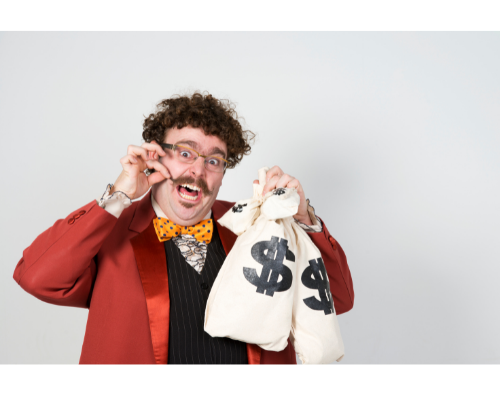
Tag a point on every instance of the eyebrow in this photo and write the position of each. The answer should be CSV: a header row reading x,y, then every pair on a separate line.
x,y
194,144
191,143
217,150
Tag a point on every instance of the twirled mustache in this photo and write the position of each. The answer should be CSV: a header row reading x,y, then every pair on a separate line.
x,y
190,180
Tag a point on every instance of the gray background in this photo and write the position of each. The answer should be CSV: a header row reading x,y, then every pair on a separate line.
x,y
394,137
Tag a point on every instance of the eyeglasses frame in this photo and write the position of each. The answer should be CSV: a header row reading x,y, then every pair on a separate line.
x,y
174,146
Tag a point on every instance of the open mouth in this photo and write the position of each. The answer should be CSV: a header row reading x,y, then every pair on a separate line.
x,y
189,192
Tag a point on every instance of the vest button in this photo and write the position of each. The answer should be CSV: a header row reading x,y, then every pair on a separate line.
x,y
332,242
71,221
204,286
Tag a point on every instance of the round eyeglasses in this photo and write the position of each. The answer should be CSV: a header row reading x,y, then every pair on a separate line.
x,y
189,155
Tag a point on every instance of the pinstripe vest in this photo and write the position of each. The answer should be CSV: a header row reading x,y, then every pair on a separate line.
x,y
188,342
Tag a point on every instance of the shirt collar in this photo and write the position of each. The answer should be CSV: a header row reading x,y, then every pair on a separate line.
x,y
159,212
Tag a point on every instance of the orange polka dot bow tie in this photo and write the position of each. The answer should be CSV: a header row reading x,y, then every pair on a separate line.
x,y
166,229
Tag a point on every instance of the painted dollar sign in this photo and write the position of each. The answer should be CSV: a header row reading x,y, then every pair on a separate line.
x,y
314,277
272,264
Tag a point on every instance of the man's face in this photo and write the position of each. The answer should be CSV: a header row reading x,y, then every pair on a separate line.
x,y
169,193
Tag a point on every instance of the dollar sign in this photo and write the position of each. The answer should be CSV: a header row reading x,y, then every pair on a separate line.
x,y
271,265
318,281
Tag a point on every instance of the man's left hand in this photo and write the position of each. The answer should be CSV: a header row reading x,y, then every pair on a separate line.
x,y
276,178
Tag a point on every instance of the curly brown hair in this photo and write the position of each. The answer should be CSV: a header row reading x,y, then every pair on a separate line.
x,y
201,110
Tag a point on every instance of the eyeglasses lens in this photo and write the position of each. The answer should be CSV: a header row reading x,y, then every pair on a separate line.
x,y
212,163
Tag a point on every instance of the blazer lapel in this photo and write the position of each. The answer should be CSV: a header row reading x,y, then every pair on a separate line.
x,y
151,262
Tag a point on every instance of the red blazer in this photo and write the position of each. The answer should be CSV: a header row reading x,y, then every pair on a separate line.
x,y
116,268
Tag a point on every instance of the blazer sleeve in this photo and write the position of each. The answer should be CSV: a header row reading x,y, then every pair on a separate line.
x,y
337,269
59,267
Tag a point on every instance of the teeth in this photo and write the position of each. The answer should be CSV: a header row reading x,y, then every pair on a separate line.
x,y
188,197
194,187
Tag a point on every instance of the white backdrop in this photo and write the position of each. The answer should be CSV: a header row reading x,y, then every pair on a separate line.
x,y
394,137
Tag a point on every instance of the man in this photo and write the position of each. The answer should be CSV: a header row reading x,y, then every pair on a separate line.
x,y
145,283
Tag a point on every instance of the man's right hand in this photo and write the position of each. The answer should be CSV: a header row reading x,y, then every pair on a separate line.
x,y
132,180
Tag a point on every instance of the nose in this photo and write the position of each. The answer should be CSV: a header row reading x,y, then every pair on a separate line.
x,y
198,167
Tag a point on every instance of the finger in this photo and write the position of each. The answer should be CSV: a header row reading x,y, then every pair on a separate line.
x,y
270,184
275,170
128,160
155,177
284,180
294,184
156,143
155,147
133,165
139,152
255,181
153,164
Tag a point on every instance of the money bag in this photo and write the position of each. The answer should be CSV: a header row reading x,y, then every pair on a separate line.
x,y
315,332
273,284
252,297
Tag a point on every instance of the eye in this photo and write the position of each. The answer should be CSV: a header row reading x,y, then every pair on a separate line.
x,y
213,161
185,154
